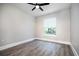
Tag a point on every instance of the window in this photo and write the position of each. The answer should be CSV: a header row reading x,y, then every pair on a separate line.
x,y
50,26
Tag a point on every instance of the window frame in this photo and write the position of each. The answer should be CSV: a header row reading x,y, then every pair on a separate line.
x,y
44,27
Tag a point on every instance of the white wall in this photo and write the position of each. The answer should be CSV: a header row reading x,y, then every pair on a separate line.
x,y
62,26
75,26
15,25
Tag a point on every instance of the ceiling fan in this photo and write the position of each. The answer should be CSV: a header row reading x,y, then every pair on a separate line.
x,y
38,5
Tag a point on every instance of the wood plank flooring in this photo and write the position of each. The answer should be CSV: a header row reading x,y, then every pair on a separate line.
x,y
38,48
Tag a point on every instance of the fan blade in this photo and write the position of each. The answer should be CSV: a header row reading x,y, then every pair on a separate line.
x,y
31,4
43,4
40,8
33,8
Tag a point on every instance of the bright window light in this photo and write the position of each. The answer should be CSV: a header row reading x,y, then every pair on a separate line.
x,y
50,26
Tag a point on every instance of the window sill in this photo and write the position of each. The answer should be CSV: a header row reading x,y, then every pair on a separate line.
x,y
47,35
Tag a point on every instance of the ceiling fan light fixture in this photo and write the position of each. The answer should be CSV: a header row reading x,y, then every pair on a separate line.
x,y
37,6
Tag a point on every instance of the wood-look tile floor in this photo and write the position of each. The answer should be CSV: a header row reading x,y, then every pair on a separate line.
x,y
38,48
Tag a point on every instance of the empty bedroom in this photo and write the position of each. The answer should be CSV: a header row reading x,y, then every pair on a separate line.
x,y
39,29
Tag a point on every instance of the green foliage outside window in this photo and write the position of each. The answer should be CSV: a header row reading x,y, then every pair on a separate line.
x,y
51,30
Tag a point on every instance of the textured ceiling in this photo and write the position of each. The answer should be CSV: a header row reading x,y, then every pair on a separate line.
x,y
53,7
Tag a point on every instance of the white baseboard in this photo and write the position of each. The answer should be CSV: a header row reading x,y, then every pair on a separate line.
x,y
25,41
62,42
74,51
68,43
15,44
